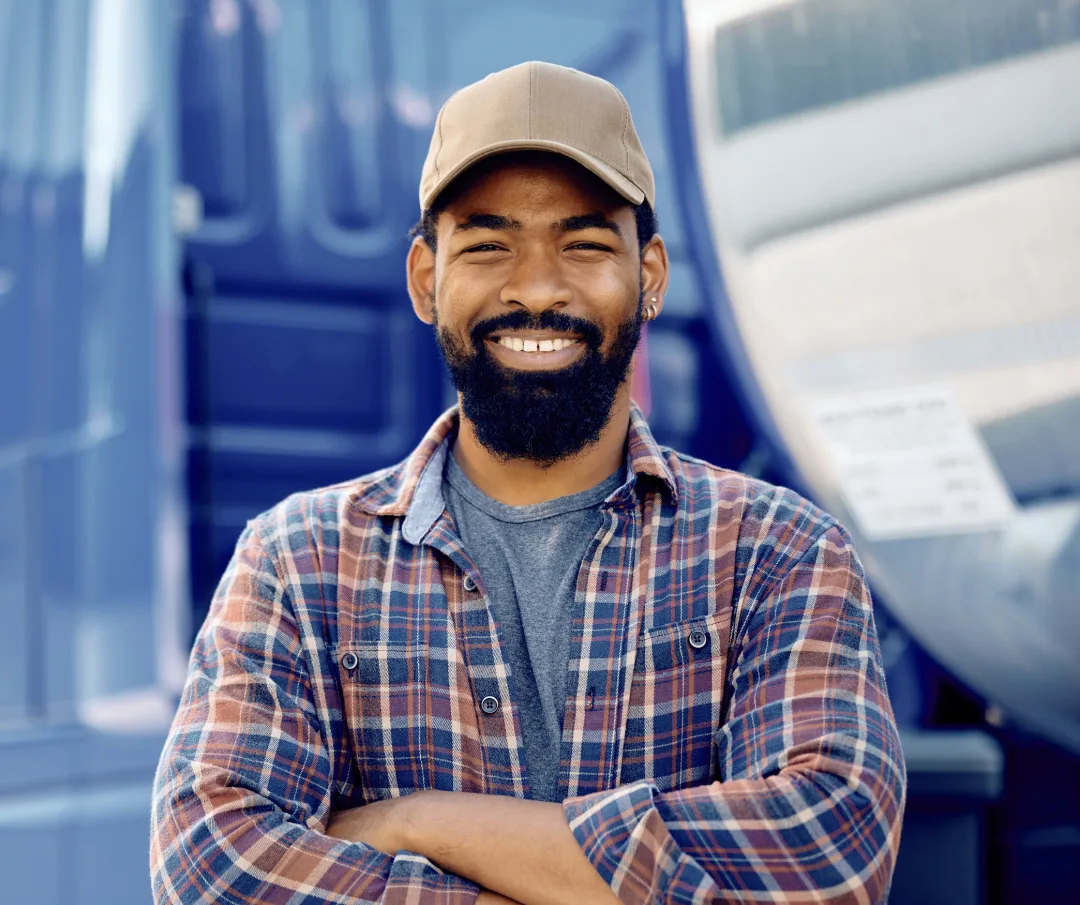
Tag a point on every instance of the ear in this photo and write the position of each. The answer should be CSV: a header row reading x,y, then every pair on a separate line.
x,y
654,272
420,278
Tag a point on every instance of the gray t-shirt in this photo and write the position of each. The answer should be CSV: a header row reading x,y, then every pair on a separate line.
x,y
529,557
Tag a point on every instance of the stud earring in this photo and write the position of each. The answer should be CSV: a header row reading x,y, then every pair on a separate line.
x,y
652,310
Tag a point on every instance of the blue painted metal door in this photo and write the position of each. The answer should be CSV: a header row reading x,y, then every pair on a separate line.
x,y
305,363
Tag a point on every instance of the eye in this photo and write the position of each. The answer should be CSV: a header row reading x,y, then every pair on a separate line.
x,y
588,246
482,247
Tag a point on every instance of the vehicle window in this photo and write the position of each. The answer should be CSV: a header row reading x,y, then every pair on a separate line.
x,y
815,54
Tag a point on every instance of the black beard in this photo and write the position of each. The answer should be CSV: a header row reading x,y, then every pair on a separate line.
x,y
543,416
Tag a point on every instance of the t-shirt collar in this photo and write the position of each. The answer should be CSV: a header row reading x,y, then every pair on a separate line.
x,y
413,489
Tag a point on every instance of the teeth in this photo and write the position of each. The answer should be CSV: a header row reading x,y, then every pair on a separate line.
x,y
533,345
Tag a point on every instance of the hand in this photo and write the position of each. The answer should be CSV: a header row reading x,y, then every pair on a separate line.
x,y
382,825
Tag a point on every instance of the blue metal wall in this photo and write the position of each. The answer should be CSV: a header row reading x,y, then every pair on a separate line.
x,y
93,588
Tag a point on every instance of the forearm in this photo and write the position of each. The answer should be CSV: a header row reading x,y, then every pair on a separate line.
x,y
520,849
259,854
801,829
805,830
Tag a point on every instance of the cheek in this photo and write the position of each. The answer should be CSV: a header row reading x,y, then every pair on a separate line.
x,y
616,286
617,298
455,312
447,301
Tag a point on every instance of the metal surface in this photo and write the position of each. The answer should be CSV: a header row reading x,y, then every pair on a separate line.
x,y
93,593
903,226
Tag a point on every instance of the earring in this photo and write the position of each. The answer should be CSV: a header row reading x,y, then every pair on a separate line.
x,y
652,310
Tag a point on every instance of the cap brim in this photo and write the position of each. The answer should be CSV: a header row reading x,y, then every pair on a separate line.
x,y
607,174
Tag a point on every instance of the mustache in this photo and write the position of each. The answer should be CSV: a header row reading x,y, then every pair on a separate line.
x,y
556,321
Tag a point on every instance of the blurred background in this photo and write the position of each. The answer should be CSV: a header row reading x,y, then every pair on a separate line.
x,y
873,213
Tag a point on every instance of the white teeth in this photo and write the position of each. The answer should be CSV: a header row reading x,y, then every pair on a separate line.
x,y
533,345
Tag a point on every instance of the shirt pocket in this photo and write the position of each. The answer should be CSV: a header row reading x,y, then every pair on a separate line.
x,y
676,700
388,714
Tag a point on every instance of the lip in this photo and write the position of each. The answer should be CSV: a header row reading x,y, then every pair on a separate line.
x,y
535,361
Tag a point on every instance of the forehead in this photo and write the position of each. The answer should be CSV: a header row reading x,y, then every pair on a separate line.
x,y
534,183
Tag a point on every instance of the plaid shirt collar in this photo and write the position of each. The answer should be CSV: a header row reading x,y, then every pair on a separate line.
x,y
413,489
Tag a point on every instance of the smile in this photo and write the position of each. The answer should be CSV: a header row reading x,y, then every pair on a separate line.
x,y
521,344
536,350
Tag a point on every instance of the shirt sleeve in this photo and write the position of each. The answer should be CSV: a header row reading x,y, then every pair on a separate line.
x,y
244,784
813,778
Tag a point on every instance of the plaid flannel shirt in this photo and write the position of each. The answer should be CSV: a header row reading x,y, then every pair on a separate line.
x,y
727,731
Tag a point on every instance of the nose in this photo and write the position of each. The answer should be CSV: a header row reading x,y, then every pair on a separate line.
x,y
536,282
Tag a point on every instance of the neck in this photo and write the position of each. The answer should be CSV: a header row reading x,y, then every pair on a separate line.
x,y
521,482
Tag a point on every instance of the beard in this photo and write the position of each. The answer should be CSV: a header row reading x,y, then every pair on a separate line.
x,y
543,416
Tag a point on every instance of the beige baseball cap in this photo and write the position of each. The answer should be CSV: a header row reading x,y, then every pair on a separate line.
x,y
539,107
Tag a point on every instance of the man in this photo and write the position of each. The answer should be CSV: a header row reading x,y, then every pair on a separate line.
x,y
543,660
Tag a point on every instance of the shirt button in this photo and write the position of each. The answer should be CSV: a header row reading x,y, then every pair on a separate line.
x,y
698,639
349,661
490,704
469,584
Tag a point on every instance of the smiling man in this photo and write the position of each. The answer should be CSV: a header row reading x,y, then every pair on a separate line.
x,y
543,660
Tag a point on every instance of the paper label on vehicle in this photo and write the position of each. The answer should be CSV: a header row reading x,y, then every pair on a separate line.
x,y
909,462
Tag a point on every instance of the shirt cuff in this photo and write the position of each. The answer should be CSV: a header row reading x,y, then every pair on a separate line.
x,y
413,878
625,839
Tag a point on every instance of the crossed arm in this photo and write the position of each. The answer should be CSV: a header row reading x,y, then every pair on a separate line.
x,y
523,849
809,807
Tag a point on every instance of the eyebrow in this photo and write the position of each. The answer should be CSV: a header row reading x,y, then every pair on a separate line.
x,y
488,221
588,221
